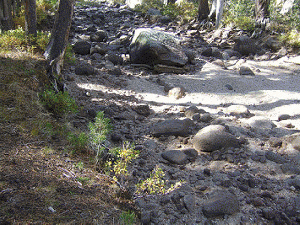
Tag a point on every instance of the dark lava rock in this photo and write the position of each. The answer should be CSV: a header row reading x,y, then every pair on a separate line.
x,y
172,127
82,47
220,203
175,156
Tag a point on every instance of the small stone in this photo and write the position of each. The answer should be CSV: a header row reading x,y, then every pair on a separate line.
x,y
172,127
205,118
177,92
207,172
268,213
229,87
175,156
284,117
146,217
246,71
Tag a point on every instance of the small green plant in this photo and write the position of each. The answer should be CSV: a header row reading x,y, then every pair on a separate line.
x,y
79,165
82,180
69,56
78,142
98,132
60,104
155,184
123,157
127,218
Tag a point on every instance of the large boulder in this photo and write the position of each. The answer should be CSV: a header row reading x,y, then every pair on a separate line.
x,y
149,46
214,137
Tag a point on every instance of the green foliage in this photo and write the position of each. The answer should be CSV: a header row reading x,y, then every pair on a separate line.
x,y
148,4
124,156
127,218
79,165
240,13
82,180
155,184
289,21
44,8
78,142
69,56
60,104
291,38
98,132
185,10
17,39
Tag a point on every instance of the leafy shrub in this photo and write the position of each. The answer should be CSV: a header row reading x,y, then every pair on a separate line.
x,y
79,142
44,8
17,39
123,157
240,13
60,104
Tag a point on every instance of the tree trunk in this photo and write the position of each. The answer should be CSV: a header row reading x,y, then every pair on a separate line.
x,y
58,42
30,17
6,15
262,9
203,10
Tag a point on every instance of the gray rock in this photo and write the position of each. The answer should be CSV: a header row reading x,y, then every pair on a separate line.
x,y
260,122
296,143
290,168
99,36
192,110
238,110
229,87
175,156
114,58
82,47
191,153
294,182
153,47
214,137
246,46
275,157
205,118
189,202
146,217
177,92
273,43
100,48
220,203
142,109
283,117
246,71
212,52
84,69
172,127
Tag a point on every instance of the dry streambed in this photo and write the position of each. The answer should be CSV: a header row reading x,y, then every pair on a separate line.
x,y
226,132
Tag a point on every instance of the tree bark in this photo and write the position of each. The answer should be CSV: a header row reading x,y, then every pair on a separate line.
x,y
58,42
203,10
6,15
262,9
30,17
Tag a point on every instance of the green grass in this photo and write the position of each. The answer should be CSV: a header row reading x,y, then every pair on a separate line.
x,y
127,218
60,104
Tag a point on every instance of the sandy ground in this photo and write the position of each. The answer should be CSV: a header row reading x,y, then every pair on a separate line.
x,y
274,90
